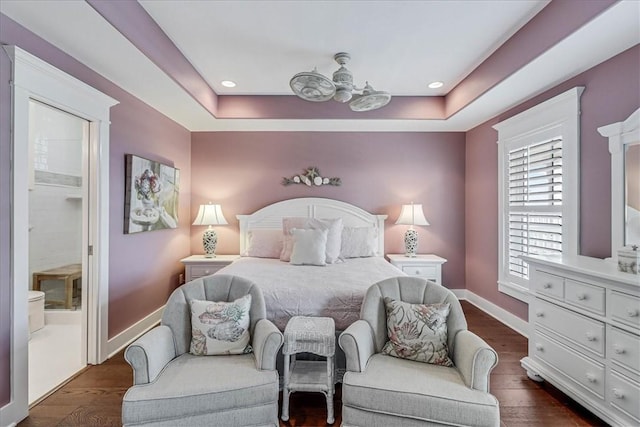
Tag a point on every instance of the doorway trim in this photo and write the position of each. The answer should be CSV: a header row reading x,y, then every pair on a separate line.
x,y
35,79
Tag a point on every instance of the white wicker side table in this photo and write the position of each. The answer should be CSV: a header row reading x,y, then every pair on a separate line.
x,y
309,335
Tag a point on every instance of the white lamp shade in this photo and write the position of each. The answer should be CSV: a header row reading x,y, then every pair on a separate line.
x,y
210,215
412,215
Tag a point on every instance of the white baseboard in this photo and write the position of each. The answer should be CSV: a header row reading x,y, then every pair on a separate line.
x,y
498,313
126,337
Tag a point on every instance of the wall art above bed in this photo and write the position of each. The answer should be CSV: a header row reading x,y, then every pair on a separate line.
x,y
151,195
311,177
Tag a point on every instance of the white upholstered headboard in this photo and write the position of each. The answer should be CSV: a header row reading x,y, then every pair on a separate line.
x,y
311,207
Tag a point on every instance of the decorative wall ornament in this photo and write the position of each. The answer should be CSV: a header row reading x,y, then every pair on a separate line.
x,y
311,177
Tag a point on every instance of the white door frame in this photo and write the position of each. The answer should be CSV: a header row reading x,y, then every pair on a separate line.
x,y
33,78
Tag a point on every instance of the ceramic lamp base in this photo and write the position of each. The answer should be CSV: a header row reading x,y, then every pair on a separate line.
x,y
411,243
210,241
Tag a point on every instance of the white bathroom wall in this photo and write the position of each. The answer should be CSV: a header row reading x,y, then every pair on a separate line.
x,y
55,197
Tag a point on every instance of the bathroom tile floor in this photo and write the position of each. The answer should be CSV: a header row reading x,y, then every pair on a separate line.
x,y
54,356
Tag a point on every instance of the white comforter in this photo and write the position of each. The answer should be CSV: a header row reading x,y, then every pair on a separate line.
x,y
335,290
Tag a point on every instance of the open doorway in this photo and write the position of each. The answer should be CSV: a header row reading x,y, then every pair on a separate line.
x,y
58,232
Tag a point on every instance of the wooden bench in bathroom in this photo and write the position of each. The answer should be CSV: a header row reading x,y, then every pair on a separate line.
x,y
67,273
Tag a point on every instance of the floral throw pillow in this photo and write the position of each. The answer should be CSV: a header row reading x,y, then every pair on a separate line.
x,y
417,332
220,327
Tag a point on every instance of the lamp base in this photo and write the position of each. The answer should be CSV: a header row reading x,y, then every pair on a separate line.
x,y
411,243
210,241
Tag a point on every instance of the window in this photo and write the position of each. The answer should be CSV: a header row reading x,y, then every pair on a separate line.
x,y
538,187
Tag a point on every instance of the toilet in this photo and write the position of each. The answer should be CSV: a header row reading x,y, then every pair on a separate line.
x,y
36,311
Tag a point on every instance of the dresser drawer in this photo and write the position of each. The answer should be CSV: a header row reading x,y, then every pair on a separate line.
x,y
198,271
586,332
550,285
624,349
585,296
625,308
428,271
581,369
625,395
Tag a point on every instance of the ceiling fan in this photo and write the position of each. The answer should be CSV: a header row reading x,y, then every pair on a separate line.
x,y
313,86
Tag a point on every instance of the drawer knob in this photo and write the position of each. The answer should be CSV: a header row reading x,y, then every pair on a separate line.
x,y
618,349
547,285
618,393
539,313
591,378
539,347
417,272
206,272
582,297
632,312
590,336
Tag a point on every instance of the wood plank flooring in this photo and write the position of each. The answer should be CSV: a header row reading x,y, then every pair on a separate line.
x,y
94,397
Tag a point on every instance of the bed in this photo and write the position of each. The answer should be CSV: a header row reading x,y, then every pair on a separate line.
x,y
335,290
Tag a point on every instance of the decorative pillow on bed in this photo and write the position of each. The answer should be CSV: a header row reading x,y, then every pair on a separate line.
x,y
264,243
417,332
359,242
309,246
334,235
220,327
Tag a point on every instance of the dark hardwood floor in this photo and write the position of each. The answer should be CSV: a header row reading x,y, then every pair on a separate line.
x,y
94,397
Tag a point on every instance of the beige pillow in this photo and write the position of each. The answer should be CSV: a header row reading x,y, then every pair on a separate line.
x,y
264,243
220,327
417,332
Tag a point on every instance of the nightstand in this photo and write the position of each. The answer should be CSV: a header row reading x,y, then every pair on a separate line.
x,y
427,266
197,266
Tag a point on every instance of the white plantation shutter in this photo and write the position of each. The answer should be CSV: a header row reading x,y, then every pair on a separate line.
x,y
538,177
534,203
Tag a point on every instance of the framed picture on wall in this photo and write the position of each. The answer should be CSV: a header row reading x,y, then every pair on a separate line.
x,y
151,195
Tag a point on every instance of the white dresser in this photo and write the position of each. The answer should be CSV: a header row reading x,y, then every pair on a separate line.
x,y
584,319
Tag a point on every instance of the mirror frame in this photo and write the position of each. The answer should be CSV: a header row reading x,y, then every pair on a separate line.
x,y
620,135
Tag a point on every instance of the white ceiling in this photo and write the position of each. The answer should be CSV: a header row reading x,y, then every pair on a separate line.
x,y
398,46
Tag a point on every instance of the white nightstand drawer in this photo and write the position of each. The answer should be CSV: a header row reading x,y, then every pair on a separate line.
x,y
586,332
581,369
625,395
550,285
625,308
198,271
427,271
586,296
624,349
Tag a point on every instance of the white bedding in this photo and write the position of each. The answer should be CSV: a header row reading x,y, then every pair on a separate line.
x,y
334,290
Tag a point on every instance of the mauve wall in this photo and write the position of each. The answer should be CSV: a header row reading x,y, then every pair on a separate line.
x,y
612,93
143,268
379,171
5,228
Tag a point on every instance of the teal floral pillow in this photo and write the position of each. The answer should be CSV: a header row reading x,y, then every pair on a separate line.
x,y
220,327
417,332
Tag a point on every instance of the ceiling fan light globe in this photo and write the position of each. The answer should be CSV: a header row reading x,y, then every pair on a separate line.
x,y
343,95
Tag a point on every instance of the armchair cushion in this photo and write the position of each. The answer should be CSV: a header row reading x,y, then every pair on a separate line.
x,y
417,332
219,327
415,391
204,385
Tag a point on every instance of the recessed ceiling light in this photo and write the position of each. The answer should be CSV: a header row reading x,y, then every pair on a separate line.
x,y
435,85
228,83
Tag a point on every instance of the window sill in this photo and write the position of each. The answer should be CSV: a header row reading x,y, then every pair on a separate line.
x,y
513,290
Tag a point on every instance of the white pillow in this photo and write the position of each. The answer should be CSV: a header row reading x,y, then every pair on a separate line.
x,y
334,236
359,242
309,246
220,327
264,243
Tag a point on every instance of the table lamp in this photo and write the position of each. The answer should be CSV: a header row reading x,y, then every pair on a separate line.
x,y
210,215
411,215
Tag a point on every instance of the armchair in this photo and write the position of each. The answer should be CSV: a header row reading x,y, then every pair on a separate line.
x,y
175,388
381,390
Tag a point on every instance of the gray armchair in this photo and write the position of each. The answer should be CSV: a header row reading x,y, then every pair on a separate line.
x,y
381,390
175,388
